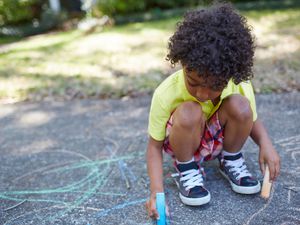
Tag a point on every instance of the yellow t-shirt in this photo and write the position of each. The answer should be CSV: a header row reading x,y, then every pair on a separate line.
x,y
172,92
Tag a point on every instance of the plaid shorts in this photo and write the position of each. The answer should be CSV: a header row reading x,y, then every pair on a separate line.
x,y
211,142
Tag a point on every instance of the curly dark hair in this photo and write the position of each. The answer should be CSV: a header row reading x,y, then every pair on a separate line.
x,y
216,43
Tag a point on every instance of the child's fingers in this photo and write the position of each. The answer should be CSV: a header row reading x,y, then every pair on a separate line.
x,y
151,209
154,212
272,171
277,169
148,207
262,167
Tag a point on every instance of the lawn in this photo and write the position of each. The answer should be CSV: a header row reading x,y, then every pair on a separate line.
x,y
130,59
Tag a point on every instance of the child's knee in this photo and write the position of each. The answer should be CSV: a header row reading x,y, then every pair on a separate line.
x,y
238,107
188,115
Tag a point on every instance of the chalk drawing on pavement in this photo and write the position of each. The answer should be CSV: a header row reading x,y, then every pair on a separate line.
x,y
57,201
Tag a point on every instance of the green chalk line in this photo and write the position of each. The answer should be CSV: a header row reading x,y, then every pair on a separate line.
x,y
93,181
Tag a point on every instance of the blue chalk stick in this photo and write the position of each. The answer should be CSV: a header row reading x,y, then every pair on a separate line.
x,y
161,208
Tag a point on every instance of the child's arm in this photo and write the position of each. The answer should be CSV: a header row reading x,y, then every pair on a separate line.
x,y
267,154
155,172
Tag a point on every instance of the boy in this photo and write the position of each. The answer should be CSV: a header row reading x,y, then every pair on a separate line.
x,y
207,110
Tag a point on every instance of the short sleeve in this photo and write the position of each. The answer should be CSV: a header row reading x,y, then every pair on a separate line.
x,y
248,92
158,118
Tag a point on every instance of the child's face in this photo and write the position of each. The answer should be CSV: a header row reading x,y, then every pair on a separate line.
x,y
198,88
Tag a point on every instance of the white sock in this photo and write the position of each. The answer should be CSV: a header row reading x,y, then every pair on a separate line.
x,y
178,162
224,153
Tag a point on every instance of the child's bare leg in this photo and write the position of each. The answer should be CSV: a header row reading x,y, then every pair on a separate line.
x,y
235,115
184,137
188,126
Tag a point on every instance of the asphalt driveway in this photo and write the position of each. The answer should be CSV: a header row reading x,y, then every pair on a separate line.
x,y
83,162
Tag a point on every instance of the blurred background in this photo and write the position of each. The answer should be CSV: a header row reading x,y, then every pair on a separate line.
x,y
76,49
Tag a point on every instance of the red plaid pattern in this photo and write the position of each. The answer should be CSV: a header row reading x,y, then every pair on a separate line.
x,y
211,142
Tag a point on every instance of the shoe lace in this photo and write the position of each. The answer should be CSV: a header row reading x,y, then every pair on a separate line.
x,y
190,178
238,167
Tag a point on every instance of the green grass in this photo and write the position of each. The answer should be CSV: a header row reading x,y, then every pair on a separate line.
x,y
130,59
8,40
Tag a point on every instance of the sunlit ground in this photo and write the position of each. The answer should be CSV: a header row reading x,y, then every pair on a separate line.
x,y
277,61
130,59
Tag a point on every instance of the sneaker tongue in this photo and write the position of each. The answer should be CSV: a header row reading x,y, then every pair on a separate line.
x,y
188,166
233,157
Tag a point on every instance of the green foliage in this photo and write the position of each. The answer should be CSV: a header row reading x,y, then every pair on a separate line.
x,y
17,11
168,4
113,7
116,8
48,20
74,64
121,7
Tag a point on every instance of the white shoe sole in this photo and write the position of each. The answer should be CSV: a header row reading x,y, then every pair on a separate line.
x,y
242,190
195,201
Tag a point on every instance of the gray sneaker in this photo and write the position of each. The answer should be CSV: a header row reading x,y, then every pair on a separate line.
x,y
234,169
189,181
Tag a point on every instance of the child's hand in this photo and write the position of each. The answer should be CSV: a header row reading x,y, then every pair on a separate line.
x,y
151,207
269,156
